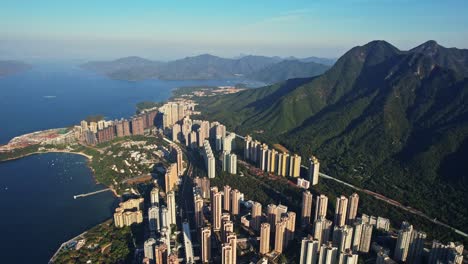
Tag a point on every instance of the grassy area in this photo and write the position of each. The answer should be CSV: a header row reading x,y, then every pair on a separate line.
x,y
104,244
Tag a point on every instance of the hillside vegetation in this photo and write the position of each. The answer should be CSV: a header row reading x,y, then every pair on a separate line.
x,y
392,121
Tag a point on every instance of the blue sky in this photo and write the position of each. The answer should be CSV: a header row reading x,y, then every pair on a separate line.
x,y
35,30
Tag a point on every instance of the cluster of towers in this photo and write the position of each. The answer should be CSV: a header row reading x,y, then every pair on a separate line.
x,y
102,131
270,160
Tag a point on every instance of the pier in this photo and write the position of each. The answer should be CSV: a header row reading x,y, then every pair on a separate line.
x,y
91,193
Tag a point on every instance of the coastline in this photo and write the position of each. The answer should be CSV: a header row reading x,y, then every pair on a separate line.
x,y
89,158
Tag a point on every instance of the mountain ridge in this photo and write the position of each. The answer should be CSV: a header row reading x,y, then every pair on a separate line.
x,y
389,120
204,66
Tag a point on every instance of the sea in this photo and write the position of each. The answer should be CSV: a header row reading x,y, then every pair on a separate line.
x,y
37,208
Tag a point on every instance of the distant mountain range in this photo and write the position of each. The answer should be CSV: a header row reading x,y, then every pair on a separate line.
x,y
8,67
206,66
393,121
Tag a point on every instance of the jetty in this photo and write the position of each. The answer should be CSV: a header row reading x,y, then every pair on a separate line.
x,y
91,193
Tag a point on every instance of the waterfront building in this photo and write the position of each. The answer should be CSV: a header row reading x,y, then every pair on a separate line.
x,y
306,208
340,211
309,250
119,128
264,238
321,207
138,127
84,125
93,127
352,208
314,166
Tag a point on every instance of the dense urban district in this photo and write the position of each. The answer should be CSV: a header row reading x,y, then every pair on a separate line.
x,y
193,192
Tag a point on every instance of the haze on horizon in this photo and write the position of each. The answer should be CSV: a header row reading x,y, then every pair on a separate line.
x,y
90,30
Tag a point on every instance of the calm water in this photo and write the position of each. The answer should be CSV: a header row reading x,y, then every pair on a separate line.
x,y
36,193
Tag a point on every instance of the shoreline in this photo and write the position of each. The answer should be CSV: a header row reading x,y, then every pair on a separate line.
x,y
89,158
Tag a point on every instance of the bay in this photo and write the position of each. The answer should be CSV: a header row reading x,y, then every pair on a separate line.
x,y
36,192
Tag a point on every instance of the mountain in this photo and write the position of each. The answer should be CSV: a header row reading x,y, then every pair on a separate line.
x,y
324,61
392,121
287,69
204,66
9,67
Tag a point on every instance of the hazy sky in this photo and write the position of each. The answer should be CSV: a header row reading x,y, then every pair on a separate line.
x,y
99,29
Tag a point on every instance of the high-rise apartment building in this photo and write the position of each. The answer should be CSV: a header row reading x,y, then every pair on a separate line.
x,y
171,207
148,249
309,251
154,196
227,198
199,217
256,216
342,237
403,242
353,203
205,240
340,211
322,229
280,236
138,127
328,254
306,208
321,207
216,212
226,253
153,218
264,238
314,166
235,199
171,177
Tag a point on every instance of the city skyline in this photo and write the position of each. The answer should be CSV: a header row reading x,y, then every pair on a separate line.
x,y
171,30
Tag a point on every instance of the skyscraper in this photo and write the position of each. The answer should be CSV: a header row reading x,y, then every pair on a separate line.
x,y
171,177
280,236
231,238
217,210
306,208
171,207
264,238
235,198
199,218
227,198
347,257
314,166
328,254
340,210
321,207
290,226
153,218
322,229
148,248
352,208
226,253
416,247
205,249
342,237
309,251
403,242
154,196
256,216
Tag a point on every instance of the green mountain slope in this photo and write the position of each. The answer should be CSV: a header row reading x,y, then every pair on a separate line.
x,y
392,121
